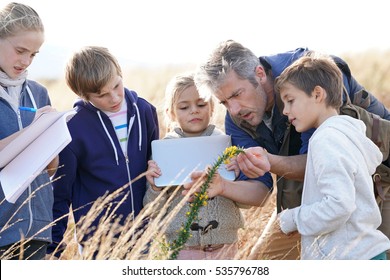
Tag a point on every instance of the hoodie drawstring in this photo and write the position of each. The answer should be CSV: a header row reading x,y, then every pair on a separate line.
x,y
109,137
139,126
31,97
29,186
131,121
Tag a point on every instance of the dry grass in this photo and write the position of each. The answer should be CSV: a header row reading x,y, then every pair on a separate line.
x,y
114,241
370,69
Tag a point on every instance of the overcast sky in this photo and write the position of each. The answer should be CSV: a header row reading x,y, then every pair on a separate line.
x,y
182,31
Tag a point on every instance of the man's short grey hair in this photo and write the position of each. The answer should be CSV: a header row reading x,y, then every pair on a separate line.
x,y
229,55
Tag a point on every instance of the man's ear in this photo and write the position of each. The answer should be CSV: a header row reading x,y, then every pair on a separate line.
x,y
260,72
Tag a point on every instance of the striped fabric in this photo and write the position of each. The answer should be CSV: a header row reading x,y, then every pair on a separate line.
x,y
119,121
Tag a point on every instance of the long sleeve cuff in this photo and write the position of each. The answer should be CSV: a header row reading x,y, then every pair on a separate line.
x,y
287,221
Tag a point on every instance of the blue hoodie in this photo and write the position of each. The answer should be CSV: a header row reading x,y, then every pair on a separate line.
x,y
94,164
23,219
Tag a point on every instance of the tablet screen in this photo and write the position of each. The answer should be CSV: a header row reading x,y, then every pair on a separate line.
x,y
177,158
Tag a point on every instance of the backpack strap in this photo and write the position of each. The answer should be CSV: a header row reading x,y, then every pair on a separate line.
x,y
362,99
378,186
375,131
348,106
381,180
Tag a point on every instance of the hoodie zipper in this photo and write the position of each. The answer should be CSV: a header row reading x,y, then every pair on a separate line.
x,y
127,161
129,181
29,186
130,126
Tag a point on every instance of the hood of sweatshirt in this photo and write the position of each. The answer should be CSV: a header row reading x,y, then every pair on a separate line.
x,y
133,114
279,62
355,131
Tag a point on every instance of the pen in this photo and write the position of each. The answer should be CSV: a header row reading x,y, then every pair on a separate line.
x,y
27,109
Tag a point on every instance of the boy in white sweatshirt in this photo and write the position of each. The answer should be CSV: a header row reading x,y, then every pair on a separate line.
x,y
339,217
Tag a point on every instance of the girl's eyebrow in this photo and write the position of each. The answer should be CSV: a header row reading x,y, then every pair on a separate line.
x,y
20,48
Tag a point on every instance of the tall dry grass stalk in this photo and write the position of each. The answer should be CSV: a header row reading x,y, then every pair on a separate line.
x,y
134,240
11,252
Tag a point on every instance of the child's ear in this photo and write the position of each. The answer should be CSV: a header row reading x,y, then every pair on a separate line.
x,y
319,94
170,114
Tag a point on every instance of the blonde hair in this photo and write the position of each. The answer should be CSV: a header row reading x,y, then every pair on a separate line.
x,y
16,17
90,69
176,86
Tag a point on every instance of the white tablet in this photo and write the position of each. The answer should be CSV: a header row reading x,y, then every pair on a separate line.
x,y
177,158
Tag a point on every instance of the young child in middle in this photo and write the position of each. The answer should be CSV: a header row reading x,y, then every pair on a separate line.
x,y
189,116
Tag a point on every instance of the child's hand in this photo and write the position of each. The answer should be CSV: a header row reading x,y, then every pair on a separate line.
x,y
278,228
197,179
233,166
45,109
52,166
254,162
153,172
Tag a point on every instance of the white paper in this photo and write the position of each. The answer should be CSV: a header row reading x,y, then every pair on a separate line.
x,y
29,154
177,158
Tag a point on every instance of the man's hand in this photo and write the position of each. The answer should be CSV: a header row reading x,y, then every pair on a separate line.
x,y
254,162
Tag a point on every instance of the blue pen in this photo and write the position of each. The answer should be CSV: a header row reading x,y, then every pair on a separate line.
x,y
27,109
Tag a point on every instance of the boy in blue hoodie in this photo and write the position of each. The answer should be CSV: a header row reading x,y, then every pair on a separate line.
x,y
111,144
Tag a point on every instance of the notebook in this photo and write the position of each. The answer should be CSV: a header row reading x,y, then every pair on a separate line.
x,y
177,158
32,150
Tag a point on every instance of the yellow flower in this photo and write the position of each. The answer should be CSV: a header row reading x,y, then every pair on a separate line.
x,y
229,153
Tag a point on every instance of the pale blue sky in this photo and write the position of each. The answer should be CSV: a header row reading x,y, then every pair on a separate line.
x,y
181,31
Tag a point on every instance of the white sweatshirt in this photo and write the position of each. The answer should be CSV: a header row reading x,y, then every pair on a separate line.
x,y
339,217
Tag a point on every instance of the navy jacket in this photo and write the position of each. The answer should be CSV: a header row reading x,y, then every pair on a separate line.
x,y
93,164
30,216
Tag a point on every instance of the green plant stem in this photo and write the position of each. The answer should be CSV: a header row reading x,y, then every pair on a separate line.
x,y
198,202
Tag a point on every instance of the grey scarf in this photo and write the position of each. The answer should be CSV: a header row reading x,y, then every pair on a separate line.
x,y
10,89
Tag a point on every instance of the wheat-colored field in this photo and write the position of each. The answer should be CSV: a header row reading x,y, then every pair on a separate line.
x,y
370,68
